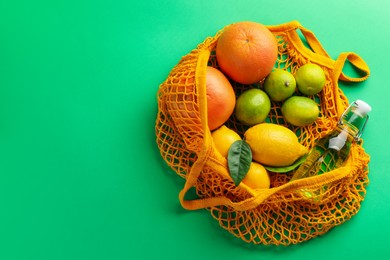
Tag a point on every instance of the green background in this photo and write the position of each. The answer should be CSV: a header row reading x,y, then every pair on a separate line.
x,y
80,173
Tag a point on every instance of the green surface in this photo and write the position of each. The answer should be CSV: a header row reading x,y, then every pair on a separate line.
x,y
80,173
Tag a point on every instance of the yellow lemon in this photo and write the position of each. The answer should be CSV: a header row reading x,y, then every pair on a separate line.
x,y
257,177
223,138
274,145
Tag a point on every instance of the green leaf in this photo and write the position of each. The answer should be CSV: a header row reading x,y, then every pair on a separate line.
x,y
239,160
286,168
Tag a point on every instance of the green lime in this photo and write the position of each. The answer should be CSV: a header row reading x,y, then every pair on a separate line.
x,y
310,79
279,85
300,111
252,107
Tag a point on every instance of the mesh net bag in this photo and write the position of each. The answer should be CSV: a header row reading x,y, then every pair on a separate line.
x,y
279,215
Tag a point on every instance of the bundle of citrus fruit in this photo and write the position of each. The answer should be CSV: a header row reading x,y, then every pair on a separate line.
x,y
246,53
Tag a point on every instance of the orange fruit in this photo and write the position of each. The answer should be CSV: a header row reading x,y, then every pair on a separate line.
x,y
221,98
257,177
246,52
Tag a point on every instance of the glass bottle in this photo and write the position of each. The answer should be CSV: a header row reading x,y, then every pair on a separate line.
x,y
331,151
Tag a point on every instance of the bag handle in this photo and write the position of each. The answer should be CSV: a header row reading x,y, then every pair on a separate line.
x,y
292,27
313,42
356,61
204,154
205,150
261,196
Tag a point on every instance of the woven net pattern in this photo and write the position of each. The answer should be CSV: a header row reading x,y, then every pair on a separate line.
x,y
279,215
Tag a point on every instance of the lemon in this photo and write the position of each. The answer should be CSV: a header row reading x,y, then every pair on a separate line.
x,y
257,177
279,85
223,138
252,107
310,79
274,145
300,111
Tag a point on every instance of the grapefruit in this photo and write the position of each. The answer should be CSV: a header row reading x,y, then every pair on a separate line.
x,y
246,52
221,98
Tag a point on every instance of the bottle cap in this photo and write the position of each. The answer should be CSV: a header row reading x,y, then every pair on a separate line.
x,y
338,142
362,108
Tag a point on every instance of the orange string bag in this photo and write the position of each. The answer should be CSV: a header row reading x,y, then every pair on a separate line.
x,y
278,215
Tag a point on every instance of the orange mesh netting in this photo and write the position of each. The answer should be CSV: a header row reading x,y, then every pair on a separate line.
x,y
279,215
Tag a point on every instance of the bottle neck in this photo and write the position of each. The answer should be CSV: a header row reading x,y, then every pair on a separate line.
x,y
349,128
344,134
354,119
353,123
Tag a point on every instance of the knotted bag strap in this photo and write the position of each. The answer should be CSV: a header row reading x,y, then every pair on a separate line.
x,y
260,196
